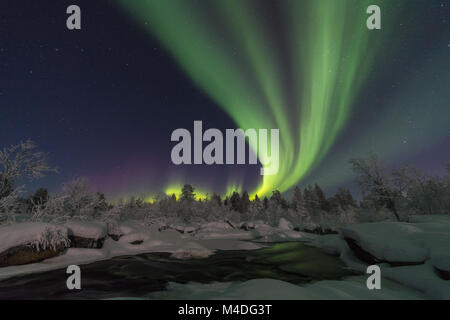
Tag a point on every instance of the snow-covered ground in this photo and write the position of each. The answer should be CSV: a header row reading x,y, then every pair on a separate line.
x,y
37,234
87,229
208,239
423,242
271,289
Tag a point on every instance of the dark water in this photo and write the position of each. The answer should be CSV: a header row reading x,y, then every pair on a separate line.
x,y
137,276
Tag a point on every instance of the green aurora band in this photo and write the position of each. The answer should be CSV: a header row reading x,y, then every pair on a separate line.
x,y
301,77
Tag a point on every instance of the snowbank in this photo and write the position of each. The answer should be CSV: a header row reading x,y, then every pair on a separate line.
x,y
30,233
330,243
388,241
257,289
182,246
285,225
87,229
404,242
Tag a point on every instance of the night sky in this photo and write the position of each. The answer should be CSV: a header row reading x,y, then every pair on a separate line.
x,y
103,101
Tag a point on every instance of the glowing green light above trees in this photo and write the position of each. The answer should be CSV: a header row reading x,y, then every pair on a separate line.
x,y
300,74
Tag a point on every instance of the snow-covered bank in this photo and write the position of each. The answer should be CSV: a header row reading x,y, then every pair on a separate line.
x,y
37,234
258,289
422,245
413,257
137,238
413,254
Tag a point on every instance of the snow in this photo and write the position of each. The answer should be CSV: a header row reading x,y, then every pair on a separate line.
x,y
442,218
424,240
420,277
87,229
182,246
129,226
26,233
330,243
285,225
221,230
134,236
257,289
390,241
405,242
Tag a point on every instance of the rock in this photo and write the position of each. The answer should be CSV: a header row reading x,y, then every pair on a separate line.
x,y
30,242
86,234
285,224
247,226
444,274
396,243
360,253
184,229
134,238
317,230
81,242
440,260
115,237
113,230
367,257
163,228
28,253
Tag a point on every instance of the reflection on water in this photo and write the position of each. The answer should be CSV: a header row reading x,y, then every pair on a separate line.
x,y
140,275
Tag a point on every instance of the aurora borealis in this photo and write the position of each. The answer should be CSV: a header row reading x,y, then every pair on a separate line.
x,y
335,89
329,56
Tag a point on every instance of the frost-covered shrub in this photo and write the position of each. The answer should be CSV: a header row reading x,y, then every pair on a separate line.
x,y
74,201
51,239
17,162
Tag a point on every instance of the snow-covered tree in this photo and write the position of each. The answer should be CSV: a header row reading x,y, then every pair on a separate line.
x,y
75,200
19,161
423,194
375,184
187,193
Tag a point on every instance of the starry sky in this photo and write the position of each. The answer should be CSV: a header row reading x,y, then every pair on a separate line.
x,y
103,101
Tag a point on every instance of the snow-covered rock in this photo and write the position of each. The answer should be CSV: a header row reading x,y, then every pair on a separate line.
x,y
221,230
385,242
135,238
401,243
285,225
25,243
184,229
87,229
247,226
420,277
86,234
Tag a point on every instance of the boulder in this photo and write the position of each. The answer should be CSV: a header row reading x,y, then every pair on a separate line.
x,y
396,243
27,253
444,274
24,243
115,237
316,230
247,226
114,231
86,234
284,224
136,238
89,243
